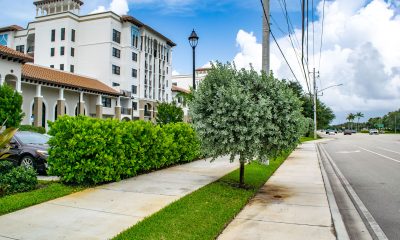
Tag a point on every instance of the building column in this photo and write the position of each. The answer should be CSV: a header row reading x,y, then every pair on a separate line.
x,y
118,109
18,85
61,103
141,109
81,105
99,107
38,107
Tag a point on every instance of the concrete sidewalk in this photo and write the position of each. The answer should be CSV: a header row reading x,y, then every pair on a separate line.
x,y
292,205
105,211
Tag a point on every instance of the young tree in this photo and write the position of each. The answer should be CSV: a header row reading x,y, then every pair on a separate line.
x,y
242,113
10,106
168,113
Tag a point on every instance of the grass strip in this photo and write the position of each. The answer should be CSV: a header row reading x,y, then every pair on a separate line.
x,y
46,191
306,139
204,213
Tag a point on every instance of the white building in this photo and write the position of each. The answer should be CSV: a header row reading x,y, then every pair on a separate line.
x,y
119,51
183,84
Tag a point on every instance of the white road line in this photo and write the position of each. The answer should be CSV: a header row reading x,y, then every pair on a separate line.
x,y
361,208
389,150
395,160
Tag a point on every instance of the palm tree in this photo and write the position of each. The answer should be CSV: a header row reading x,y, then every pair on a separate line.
x,y
350,118
358,116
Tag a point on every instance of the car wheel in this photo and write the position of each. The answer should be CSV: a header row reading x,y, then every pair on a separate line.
x,y
27,161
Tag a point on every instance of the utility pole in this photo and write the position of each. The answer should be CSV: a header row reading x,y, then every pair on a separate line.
x,y
315,104
266,39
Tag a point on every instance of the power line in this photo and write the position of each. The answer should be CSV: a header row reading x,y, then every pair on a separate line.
x,y
302,44
290,27
276,42
322,34
313,31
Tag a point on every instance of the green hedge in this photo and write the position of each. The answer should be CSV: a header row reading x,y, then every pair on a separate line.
x,y
16,179
88,150
30,128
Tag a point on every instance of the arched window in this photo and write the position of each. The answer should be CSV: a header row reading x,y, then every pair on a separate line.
x,y
55,112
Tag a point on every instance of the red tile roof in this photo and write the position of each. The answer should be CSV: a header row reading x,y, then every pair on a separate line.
x,y
6,52
35,72
178,89
204,69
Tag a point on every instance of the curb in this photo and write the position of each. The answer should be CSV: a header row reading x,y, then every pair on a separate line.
x,y
341,232
369,221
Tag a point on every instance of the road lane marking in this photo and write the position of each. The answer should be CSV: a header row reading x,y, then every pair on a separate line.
x,y
395,160
373,226
344,152
389,150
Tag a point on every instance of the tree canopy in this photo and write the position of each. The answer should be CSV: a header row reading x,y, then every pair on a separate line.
x,y
241,113
10,106
168,113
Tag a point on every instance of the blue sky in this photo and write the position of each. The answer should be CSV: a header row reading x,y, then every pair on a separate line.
x,y
360,49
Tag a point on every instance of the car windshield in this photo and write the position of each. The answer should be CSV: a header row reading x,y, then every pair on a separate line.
x,y
32,138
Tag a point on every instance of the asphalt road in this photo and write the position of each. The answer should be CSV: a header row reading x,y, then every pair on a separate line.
x,y
371,164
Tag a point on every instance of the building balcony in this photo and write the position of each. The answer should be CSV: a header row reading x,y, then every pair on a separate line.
x,y
126,111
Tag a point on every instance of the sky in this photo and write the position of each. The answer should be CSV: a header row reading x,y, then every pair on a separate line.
x,y
361,42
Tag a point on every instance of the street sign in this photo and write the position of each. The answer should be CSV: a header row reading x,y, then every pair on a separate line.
x,y
380,125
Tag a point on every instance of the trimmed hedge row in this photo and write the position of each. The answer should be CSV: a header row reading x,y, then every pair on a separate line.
x,y
88,150
30,128
16,179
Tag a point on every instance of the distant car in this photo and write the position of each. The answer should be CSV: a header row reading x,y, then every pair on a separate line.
x,y
353,131
327,131
347,132
29,149
331,132
373,132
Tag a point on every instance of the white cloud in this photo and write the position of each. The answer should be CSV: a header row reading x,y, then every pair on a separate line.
x,y
174,72
120,7
361,50
250,51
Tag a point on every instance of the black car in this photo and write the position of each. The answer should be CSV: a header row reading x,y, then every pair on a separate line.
x,y
29,149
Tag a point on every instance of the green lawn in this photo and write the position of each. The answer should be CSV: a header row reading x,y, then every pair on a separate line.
x,y
45,192
306,139
204,213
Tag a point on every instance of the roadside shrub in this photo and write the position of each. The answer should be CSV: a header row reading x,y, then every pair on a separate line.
x,y
30,128
88,150
18,179
5,167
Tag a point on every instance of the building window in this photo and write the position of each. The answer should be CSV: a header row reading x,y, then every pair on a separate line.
x,y
106,102
20,48
72,68
52,52
134,89
116,53
135,36
62,34
134,106
116,70
134,57
3,39
62,51
73,35
72,52
116,36
53,35
114,84
62,67
51,66
134,73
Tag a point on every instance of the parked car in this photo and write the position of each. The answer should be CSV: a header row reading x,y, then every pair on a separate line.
x,y
347,132
373,132
353,131
29,149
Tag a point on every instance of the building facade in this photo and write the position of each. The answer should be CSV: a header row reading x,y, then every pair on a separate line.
x,y
119,51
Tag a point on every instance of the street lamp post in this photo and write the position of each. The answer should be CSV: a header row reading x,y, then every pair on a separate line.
x,y
193,40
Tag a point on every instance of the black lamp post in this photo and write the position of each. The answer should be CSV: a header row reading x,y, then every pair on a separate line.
x,y
193,40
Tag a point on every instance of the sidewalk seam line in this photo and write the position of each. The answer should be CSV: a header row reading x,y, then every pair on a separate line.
x,y
289,223
93,210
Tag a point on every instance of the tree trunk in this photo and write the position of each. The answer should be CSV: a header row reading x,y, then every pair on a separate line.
x,y
241,173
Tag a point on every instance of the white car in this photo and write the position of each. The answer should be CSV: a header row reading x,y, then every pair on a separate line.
x,y
331,132
373,132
